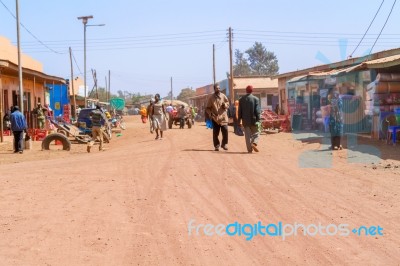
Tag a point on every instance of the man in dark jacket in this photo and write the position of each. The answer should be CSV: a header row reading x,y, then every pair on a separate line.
x,y
249,115
18,126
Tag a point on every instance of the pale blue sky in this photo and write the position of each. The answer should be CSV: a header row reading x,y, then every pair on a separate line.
x,y
144,43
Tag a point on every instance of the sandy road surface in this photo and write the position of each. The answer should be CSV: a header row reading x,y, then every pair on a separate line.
x,y
131,205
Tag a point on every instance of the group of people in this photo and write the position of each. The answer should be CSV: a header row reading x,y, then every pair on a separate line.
x,y
246,114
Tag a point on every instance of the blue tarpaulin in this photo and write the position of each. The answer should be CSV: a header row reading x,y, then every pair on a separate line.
x,y
58,97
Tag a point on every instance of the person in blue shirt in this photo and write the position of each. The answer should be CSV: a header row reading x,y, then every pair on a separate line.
x,y
18,126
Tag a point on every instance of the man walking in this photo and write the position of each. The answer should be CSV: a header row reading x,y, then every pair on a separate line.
x,y
217,106
98,121
18,126
249,115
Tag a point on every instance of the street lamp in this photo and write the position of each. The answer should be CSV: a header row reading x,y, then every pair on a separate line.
x,y
84,21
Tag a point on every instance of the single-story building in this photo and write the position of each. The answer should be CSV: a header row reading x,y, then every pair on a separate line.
x,y
303,93
35,82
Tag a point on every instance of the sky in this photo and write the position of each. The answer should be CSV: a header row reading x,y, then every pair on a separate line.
x,y
145,43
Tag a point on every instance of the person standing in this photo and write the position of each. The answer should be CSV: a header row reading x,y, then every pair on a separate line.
x,y
249,115
98,121
182,115
217,106
40,115
335,120
18,126
159,117
149,108
235,117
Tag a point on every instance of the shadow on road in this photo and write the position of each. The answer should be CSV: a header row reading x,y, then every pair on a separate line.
x,y
221,152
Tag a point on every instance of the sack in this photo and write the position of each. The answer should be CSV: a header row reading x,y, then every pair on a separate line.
x,y
27,137
28,144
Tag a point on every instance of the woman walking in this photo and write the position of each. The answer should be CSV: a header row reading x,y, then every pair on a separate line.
x,y
159,117
335,120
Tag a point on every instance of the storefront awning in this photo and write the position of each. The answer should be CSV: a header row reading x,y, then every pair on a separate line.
x,y
381,63
324,74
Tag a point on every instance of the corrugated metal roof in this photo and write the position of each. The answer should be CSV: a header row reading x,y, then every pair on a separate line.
x,y
383,62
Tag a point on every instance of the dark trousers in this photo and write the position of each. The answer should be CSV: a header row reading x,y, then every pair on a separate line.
x,y
224,130
335,140
18,139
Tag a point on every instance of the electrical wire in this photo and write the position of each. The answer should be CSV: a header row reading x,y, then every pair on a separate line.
x,y
394,3
80,71
351,55
22,25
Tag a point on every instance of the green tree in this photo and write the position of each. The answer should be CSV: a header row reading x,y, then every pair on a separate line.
x,y
186,94
259,62
262,62
241,67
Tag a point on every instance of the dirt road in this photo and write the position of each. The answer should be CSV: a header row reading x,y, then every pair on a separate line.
x,y
137,202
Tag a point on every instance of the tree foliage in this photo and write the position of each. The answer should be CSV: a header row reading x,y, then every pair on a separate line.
x,y
186,94
259,62
241,67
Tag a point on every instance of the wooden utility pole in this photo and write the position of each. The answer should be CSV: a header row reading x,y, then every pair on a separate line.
x,y
214,64
231,96
109,84
1,109
71,83
171,91
106,89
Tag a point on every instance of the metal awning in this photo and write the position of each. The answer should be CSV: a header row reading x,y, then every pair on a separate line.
x,y
324,74
382,62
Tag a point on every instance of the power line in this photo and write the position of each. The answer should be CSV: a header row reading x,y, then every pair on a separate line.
x,y
80,71
12,14
383,26
367,28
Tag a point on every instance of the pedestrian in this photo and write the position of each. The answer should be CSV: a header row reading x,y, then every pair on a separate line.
x,y
18,126
217,106
235,117
143,113
335,119
40,115
169,108
192,114
249,116
149,108
182,115
159,117
98,119
6,120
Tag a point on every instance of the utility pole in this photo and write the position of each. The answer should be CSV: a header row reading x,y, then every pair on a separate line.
x,y
72,84
21,89
109,85
231,67
171,91
1,109
106,89
214,64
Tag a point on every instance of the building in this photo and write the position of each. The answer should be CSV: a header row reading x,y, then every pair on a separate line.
x,y
265,88
303,93
35,82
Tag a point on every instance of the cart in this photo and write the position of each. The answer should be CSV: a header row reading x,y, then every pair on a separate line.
x,y
271,121
70,130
